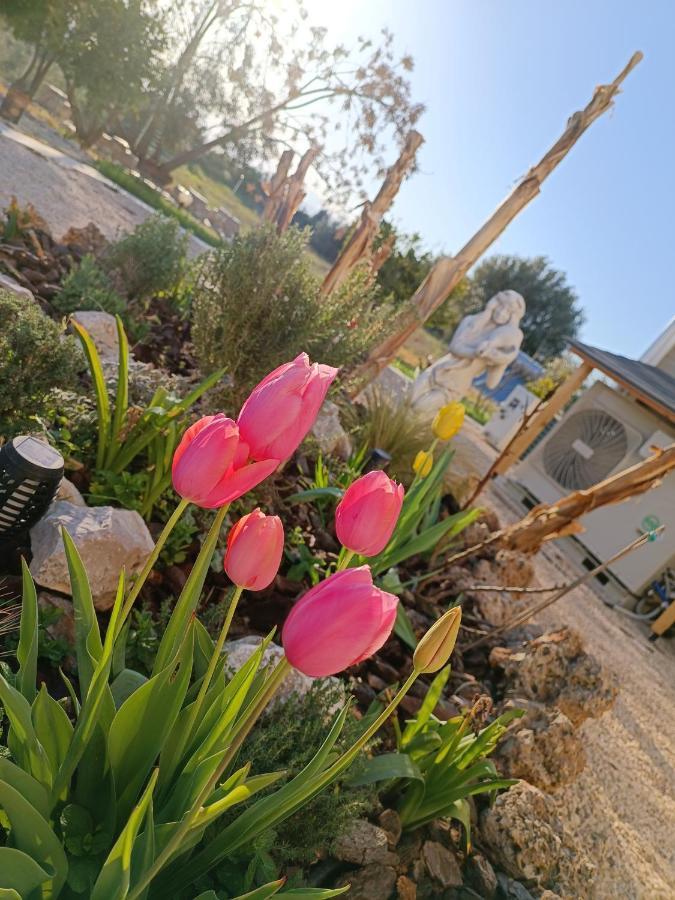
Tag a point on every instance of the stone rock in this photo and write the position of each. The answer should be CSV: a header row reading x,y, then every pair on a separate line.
x,y
471,461
373,882
390,822
528,841
555,669
329,434
9,284
363,843
441,864
406,889
513,890
543,748
481,876
239,651
63,628
106,539
68,492
103,330
89,239
409,848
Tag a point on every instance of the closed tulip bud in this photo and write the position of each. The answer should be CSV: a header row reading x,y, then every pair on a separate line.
x,y
211,464
448,421
366,516
435,648
423,463
338,623
254,547
279,412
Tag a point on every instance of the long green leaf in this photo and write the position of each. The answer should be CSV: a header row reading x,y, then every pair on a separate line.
x,y
114,881
403,628
122,394
20,873
189,597
156,704
322,493
22,740
97,706
100,391
385,767
26,785
52,727
88,646
33,835
27,651
432,697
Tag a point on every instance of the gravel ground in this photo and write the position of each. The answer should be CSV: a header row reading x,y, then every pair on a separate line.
x,y
623,806
66,191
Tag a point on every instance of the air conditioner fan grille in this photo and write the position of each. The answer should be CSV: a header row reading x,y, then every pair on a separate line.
x,y
584,449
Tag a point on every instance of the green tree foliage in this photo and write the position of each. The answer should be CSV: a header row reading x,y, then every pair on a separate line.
x,y
107,51
405,268
553,314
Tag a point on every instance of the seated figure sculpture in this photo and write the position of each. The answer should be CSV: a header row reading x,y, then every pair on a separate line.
x,y
485,342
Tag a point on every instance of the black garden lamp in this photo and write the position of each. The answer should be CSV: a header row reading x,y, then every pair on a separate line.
x,y
30,472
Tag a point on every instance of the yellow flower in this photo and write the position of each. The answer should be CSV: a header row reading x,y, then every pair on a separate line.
x,y
449,419
435,648
423,463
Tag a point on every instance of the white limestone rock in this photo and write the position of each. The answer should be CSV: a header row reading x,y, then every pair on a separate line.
x,y
107,539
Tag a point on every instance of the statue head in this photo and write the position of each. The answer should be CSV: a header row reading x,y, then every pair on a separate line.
x,y
506,307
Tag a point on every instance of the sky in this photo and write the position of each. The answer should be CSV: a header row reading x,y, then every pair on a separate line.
x,y
499,79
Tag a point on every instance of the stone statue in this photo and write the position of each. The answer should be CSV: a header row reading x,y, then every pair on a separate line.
x,y
485,342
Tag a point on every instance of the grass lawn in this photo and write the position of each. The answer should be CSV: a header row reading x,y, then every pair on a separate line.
x,y
418,349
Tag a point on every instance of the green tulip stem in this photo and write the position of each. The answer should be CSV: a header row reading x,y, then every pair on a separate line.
x,y
187,731
345,760
345,558
150,562
280,671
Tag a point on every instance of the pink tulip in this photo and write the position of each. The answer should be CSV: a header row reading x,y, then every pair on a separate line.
x,y
366,516
279,412
210,465
338,623
254,547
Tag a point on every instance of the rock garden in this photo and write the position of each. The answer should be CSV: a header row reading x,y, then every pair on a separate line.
x,y
247,644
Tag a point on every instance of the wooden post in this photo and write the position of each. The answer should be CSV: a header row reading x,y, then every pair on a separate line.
x,y
540,419
447,273
360,243
295,192
275,187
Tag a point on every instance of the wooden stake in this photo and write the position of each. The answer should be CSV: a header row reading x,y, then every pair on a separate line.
x,y
360,244
448,272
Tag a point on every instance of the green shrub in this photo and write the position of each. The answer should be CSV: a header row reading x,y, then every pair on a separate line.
x,y
35,357
257,304
287,738
88,287
150,259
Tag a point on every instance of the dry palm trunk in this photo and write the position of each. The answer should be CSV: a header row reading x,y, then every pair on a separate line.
x,y
295,192
360,243
448,272
275,188
553,520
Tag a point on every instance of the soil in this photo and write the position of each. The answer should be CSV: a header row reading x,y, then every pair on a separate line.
x,y
623,804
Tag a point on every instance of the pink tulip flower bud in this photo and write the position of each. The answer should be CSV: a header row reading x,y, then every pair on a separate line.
x,y
338,623
279,412
254,547
211,464
366,516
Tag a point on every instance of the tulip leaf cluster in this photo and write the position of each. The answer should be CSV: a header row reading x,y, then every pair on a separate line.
x,y
439,765
155,432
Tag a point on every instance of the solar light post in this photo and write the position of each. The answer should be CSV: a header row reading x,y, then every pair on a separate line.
x,y
30,472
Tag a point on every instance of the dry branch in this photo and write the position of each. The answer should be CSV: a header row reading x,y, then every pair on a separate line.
x,y
448,272
549,521
360,243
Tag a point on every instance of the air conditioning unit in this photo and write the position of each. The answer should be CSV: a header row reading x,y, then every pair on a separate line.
x,y
604,432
